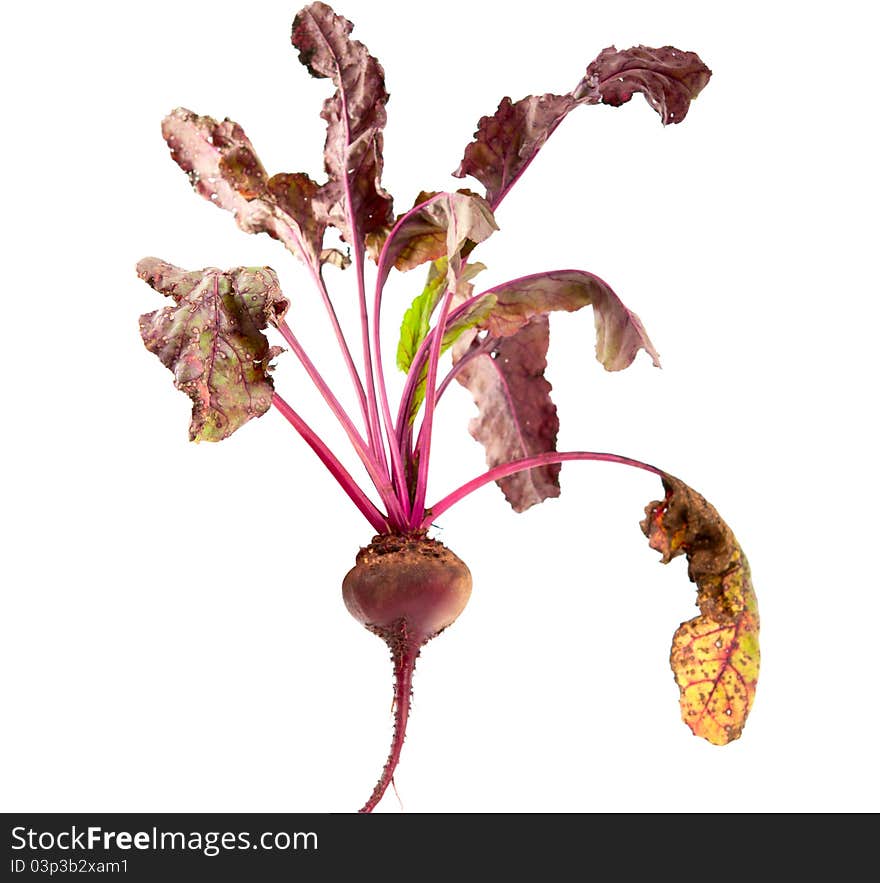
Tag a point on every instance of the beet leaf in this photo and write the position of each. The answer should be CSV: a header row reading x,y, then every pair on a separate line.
x,y
668,78
619,332
504,369
211,340
506,143
517,418
352,200
438,225
715,656
224,168
417,319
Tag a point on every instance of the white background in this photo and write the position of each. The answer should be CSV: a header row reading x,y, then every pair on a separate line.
x,y
173,633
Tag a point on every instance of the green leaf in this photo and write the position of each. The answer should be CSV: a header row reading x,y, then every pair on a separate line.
x,y
470,318
211,340
417,319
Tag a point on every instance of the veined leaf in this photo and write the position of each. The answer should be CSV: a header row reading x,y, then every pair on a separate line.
x,y
422,233
211,340
668,78
454,334
294,194
443,225
355,116
505,143
715,656
438,225
224,168
417,319
516,415
619,332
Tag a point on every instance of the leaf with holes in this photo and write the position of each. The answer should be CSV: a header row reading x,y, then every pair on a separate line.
x,y
516,419
224,168
715,656
619,331
353,200
668,78
211,340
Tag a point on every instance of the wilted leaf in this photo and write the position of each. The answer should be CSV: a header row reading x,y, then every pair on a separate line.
x,y
619,332
198,145
505,143
211,340
516,416
355,116
335,258
715,656
668,78
224,168
438,225
294,195
421,236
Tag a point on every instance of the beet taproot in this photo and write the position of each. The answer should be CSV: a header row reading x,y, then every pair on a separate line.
x,y
406,590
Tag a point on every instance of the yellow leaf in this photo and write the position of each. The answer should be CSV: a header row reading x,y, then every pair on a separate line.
x,y
715,656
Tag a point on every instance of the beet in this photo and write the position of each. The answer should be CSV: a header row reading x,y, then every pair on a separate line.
x,y
406,590
405,587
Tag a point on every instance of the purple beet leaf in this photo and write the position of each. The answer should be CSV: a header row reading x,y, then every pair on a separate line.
x,y
619,331
506,142
504,368
211,340
224,168
439,225
517,418
668,78
352,200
